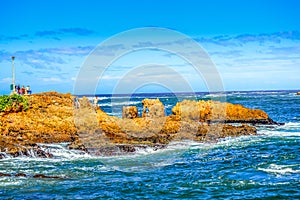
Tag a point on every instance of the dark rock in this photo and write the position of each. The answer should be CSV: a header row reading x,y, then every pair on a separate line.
x,y
45,176
121,149
254,122
34,151
20,175
42,154
3,174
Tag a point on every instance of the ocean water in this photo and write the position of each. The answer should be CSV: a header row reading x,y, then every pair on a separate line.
x,y
249,167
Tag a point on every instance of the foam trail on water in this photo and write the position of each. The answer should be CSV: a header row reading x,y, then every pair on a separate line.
x,y
280,169
279,133
291,126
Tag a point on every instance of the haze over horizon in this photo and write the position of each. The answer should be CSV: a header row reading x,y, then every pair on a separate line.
x,y
254,45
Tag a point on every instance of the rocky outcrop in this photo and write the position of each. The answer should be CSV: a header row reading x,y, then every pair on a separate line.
x,y
48,120
207,111
130,112
165,129
298,93
218,112
53,118
153,108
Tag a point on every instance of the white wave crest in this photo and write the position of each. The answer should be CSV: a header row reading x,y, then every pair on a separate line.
x,y
125,103
215,95
61,151
280,169
99,98
291,126
279,133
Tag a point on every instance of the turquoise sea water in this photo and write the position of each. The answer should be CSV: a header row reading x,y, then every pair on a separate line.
x,y
249,167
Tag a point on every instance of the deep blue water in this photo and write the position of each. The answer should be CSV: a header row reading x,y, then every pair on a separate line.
x,y
248,167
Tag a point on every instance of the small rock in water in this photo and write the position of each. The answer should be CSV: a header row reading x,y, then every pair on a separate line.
x,y
42,154
20,175
122,149
3,174
45,176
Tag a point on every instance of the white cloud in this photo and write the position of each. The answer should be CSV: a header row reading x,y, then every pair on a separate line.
x,y
6,80
51,79
249,59
110,77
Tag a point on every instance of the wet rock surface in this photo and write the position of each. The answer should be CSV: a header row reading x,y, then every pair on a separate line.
x,y
122,149
53,118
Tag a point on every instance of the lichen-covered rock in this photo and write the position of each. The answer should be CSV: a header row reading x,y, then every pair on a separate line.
x,y
153,108
130,112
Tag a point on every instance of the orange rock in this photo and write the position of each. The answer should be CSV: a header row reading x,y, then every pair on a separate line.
x,y
52,118
205,111
49,120
130,112
153,108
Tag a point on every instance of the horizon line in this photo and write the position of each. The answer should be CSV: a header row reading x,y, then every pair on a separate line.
x,y
182,93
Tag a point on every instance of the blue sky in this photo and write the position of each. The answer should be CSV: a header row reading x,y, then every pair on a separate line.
x,y
254,44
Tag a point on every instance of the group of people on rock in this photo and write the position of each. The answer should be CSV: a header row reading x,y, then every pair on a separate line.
x,y
23,90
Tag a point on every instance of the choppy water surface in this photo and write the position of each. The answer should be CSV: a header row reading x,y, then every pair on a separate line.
x,y
263,166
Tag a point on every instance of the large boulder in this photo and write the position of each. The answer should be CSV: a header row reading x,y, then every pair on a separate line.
x,y
130,112
214,111
153,108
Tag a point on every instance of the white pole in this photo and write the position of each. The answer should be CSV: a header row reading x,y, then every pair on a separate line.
x,y
13,74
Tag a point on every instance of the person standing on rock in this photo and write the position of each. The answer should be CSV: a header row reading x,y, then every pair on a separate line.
x,y
76,103
23,90
95,102
19,89
28,89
